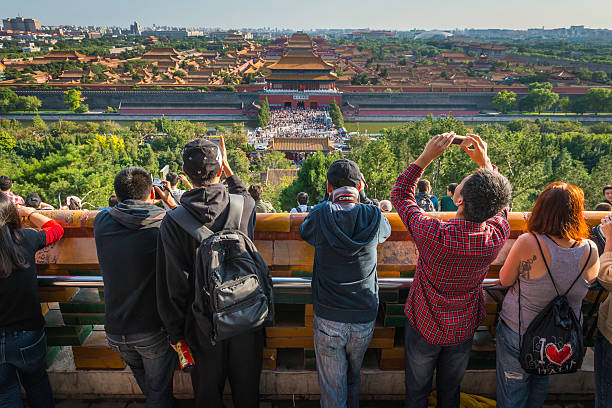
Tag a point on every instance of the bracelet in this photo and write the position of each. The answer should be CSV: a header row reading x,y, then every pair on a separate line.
x,y
29,215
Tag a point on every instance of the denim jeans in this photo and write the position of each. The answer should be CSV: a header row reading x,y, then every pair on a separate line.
x,y
422,358
152,361
515,387
339,350
24,353
603,372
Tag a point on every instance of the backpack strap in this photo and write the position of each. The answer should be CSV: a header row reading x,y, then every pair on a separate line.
x,y
234,216
546,264
190,224
582,270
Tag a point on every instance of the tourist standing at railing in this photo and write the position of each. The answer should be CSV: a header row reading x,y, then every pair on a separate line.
x,y
240,357
126,242
5,188
302,203
603,341
554,258
345,235
23,343
445,304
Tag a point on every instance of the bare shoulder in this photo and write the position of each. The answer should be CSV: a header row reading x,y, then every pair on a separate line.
x,y
526,240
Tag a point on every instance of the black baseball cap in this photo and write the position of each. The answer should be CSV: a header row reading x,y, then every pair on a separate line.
x,y
343,173
201,158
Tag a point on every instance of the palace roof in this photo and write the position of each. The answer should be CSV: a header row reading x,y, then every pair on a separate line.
x,y
307,76
301,144
273,177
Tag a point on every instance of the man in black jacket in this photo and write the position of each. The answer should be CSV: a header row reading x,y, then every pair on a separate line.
x,y
240,357
126,241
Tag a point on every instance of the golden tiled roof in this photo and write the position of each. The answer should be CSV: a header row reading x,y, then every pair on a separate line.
x,y
307,76
273,177
301,144
302,62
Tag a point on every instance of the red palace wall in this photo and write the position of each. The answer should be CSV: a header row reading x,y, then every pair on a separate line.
x,y
279,101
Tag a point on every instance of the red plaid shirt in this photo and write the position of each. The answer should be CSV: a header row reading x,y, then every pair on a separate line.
x,y
446,302
17,200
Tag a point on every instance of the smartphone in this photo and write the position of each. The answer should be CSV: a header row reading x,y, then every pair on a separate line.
x,y
458,139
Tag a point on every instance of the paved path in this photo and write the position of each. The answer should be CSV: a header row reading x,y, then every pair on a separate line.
x,y
107,403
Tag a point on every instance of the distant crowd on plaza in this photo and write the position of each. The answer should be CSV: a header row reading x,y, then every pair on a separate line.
x,y
298,122
185,284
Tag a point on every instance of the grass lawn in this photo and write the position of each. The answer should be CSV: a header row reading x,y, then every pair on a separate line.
x,y
43,111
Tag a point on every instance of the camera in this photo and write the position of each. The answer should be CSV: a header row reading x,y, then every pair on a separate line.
x,y
458,139
157,182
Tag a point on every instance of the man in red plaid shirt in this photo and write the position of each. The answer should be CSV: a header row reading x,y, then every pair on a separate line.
x,y
446,304
5,187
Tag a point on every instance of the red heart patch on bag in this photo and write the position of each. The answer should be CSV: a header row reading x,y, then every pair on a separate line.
x,y
557,356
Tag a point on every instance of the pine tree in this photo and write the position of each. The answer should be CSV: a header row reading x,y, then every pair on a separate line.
x,y
336,115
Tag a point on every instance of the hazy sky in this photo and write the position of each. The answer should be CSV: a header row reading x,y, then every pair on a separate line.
x,y
306,14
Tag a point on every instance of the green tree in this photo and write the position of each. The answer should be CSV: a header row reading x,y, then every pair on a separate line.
x,y
239,163
312,177
264,115
564,104
336,114
543,98
275,160
8,99
600,77
504,101
73,99
39,125
379,173
7,141
599,99
29,103
357,145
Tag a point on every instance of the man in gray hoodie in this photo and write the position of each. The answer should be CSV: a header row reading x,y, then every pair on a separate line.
x,y
345,235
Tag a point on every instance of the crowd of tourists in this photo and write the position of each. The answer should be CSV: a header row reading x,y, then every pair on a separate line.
x,y
298,122
185,284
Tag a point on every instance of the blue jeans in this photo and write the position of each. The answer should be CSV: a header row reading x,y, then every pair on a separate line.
x,y
603,372
339,350
515,387
422,358
152,361
24,353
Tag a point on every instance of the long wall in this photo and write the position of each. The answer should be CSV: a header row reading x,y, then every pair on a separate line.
x,y
99,100
53,99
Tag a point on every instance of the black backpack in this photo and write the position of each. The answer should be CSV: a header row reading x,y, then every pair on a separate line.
x,y
299,210
553,342
424,202
232,281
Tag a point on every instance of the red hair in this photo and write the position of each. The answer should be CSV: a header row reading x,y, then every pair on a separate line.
x,y
558,212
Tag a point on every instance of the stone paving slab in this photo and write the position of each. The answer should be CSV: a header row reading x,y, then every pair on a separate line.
x,y
279,404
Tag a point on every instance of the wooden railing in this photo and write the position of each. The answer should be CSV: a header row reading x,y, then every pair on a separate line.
x,y
74,314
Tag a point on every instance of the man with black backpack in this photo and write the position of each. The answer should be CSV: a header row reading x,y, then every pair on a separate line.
x,y
214,290
302,201
424,200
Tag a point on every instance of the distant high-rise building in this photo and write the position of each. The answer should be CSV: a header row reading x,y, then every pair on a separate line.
x,y
21,24
135,28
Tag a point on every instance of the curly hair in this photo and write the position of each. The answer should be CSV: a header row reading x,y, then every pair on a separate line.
x,y
255,190
485,193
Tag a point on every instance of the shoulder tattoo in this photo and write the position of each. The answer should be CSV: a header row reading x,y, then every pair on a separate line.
x,y
525,267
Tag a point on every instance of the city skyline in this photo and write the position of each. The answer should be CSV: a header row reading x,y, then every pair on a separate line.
x,y
317,14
